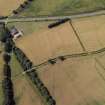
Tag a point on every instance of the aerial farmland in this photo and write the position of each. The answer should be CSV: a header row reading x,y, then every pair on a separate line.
x,y
77,80
52,52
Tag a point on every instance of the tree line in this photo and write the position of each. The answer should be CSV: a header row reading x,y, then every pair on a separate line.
x,y
33,75
9,46
7,82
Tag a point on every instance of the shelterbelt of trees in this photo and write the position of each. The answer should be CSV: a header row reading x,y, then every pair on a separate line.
x,y
9,46
7,82
33,75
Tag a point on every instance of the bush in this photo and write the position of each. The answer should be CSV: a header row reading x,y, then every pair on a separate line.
x,y
7,71
9,102
24,63
15,12
7,84
30,0
58,23
52,101
62,58
44,91
33,75
51,61
5,34
22,6
26,2
29,65
3,38
40,85
6,58
8,46
8,92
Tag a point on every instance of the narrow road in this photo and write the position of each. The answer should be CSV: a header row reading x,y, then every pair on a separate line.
x,y
50,18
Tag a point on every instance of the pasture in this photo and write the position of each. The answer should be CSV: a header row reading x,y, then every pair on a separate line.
x,y
62,7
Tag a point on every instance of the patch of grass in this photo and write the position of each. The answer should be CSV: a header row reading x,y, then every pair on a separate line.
x,y
62,7
29,27
15,66
16,69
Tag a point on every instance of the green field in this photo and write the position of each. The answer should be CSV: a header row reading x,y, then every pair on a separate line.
x,y
16,69
62,7
54,7
28,27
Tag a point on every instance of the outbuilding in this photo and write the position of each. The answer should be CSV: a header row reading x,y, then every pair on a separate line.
x,y
15,33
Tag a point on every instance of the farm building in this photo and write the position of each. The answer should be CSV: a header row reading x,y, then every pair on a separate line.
x,y
15,33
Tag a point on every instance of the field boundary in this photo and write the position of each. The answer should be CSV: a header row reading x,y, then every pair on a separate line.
x,y
67,57
76,34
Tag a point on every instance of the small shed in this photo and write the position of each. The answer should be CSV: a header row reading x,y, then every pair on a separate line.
x,y
15,33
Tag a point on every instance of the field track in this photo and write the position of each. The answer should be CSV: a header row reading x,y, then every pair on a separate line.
x,y
38,19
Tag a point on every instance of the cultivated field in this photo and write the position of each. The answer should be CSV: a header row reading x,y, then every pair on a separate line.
x,y
76,81
50,43
91,32
7,6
